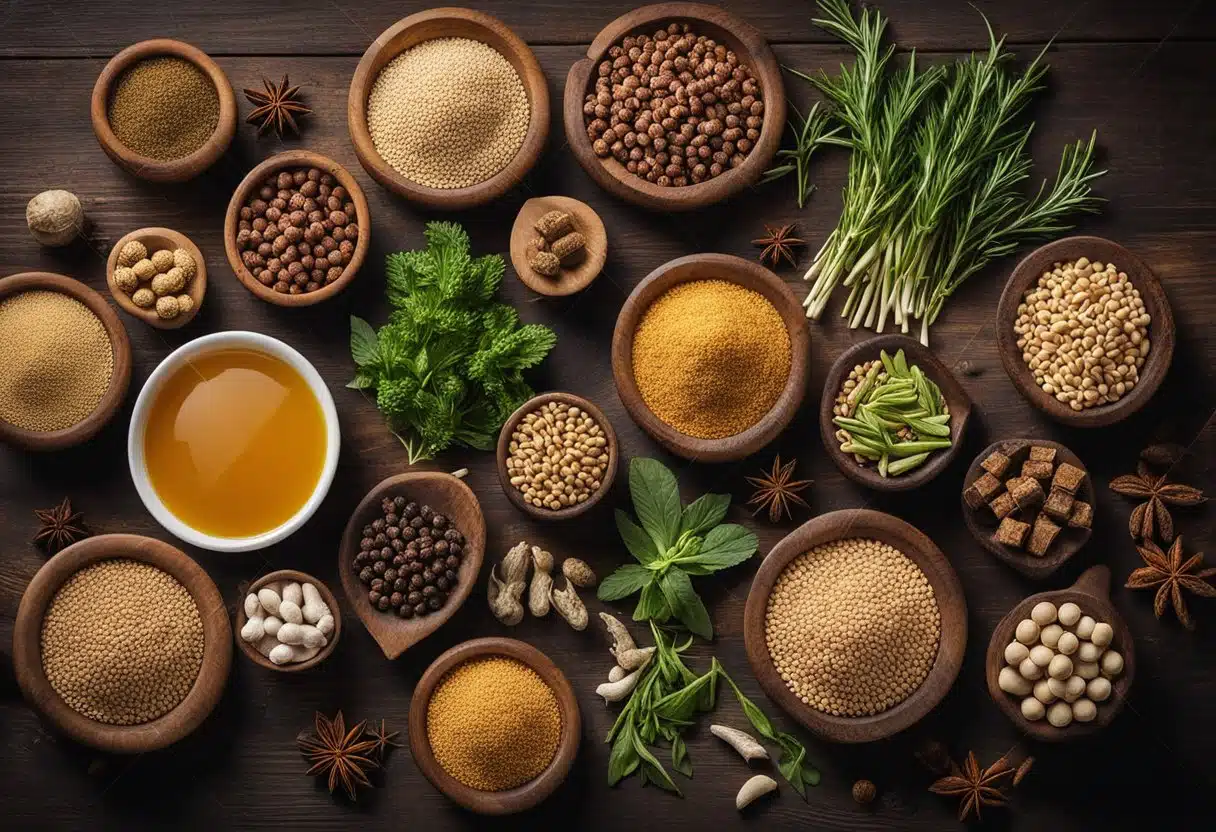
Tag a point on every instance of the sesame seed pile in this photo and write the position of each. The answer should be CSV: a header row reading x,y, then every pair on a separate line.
x,y
493,724
122,642
164,108
853,627
448,113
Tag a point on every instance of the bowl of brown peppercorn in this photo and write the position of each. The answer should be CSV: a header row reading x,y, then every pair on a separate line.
x,y
297,229
410,555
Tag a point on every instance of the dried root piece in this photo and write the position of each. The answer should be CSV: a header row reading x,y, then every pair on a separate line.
x,y
753,789
635,658
569,606
617,673
505,593
579,573
542,582
747,746
621,688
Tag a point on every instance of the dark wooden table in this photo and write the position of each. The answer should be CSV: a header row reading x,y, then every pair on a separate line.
x,y
1141,73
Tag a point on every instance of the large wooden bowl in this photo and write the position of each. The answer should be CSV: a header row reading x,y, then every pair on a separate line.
x,y
1160,330
569,280
449,23
253,181
155,239
512,800
956,399
123,739
839,525
445,494
144,167
288,575
713,22
750,276
119,379
1091,593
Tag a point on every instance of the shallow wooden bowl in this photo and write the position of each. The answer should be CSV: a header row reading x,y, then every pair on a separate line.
x,y
288,575
839,525
956,399
84,430
447,495
155,239
713,22
1160,330
504,440
253,181
512,800
144,167
982,522
716,267
123,739
1091,593
569,280
449,23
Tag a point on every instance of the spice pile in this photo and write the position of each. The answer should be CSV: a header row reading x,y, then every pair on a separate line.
x,y
558,244
157,279
164,108
557,456
287,622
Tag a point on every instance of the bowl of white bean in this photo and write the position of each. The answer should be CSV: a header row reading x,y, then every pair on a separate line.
x,y
288,621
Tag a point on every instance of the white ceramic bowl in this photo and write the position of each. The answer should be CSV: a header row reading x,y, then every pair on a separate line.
x,y
139,420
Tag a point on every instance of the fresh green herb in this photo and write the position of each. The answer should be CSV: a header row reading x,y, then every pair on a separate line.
x,y
447,366
810,133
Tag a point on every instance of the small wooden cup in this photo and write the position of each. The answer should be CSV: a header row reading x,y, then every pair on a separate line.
x,y
144,167
120,378
579,275
512,800
288,575
156,239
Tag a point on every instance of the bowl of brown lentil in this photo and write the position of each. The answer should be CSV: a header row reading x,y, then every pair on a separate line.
x,y
163,110
448,108
163,663
184,289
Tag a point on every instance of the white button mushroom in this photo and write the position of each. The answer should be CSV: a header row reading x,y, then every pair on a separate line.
x,y
1068,644
1060,714
1027,632
1084,711
1030,670
1010,681
1016,653
1044,613
1033,709
1050,635
1041,655
1098,689
1111,663
1069,614
1085,627
1060,667
1043,692
1103,634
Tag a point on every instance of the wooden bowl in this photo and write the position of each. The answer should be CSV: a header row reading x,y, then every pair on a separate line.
x,y
982,522
156,239
750,276
304,578
123,739
512,800
253,181
956,399
713,22
444,493
504,439
449,23
144,167
84,430
569,280
839,525
1091,593
1160,330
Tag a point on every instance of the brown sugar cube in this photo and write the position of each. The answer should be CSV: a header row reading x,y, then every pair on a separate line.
x,y
1038,470
1042,535
554,225
1068,477
972,497
1038,453
988,486
1026,491
1012,532
996,463
1082,516
1003,505
1058,504
569,247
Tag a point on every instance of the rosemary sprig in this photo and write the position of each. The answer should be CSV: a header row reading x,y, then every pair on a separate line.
x,y
810,133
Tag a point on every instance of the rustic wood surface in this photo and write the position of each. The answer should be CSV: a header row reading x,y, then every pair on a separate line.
x,y
1139,72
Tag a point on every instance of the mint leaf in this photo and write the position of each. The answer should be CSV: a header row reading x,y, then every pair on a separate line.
x,y
652,606
723,547
625,581
679,756
364,345
685,604
624,759
656,499
636,540
361,381
705,512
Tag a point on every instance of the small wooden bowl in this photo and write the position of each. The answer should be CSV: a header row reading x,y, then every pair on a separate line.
x,y
156,239
288,575
569,280
84,430
253,181
123,739
713,22
1160,329
956,399
947,590
144,167
504,439
449,23
982,522
447,495
1091,593
512,800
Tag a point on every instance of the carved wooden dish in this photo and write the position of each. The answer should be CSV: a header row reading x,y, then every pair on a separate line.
x,y
579,275
155,239
288,575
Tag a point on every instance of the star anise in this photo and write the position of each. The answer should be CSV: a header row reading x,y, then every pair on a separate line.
x,y
339,754
383,739
61,527
275,107
776,490
977,787
779,244
1173,576
1153,516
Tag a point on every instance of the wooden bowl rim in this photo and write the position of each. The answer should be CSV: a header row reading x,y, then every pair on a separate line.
x,y
504,439
120,378
300,577
933,367
568,281
948,592
1028,272
197,287
530,75
521,797
217,651
294,159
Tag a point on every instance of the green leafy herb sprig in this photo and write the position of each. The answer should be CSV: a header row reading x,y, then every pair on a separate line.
x,y
447,367
672,544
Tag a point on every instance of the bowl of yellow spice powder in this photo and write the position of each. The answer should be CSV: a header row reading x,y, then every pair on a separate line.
x,y
494,725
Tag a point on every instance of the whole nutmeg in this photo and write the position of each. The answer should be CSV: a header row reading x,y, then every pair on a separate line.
x,y
55,218
864,791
